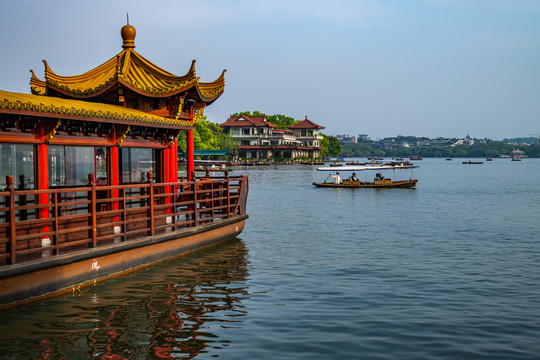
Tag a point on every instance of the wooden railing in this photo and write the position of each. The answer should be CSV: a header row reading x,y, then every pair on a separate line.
x,y
74,219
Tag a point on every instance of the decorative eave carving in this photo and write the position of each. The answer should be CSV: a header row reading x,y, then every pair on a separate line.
x,y
121,133
49,127
198,112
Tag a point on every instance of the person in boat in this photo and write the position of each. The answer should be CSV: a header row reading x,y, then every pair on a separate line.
x,y
379,176
337,178
353,177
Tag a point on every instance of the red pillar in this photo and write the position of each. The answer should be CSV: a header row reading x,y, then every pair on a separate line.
x,y
173,166
190,154
173,162
166,164
42,175
113,175
166,173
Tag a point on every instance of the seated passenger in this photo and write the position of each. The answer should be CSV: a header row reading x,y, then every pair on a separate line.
x,y
353,177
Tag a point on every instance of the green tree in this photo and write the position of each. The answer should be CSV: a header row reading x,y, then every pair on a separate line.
x,y
204,136
282,121
489,149
227,142
331,145
248,113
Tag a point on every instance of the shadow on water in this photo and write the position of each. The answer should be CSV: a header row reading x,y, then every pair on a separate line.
x,y
177,309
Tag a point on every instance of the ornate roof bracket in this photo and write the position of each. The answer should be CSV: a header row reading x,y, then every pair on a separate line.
x,y
49,127
121,133
171,137
118,133
198,112
176,106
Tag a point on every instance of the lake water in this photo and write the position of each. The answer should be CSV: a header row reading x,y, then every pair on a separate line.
x,y
449,270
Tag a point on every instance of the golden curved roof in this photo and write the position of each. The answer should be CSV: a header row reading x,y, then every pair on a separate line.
x,y
49,106
133,71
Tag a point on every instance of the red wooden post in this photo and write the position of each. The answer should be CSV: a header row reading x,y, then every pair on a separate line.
x,y
43,178
151,202
56,249
166,160
190,153
93,219
124,214
173,162
113,177
12,223
228,188
195,196
173,174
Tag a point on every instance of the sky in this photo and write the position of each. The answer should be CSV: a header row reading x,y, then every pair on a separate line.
x,y
434,68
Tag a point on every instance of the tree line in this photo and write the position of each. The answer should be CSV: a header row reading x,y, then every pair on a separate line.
x,y
477,150
209,136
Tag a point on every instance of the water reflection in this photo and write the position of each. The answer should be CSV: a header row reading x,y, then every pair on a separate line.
x,y
177,309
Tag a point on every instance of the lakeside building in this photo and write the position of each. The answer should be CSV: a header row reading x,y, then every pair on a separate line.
x,y
346,139
466,141
89,180
411,141
260,139
363,138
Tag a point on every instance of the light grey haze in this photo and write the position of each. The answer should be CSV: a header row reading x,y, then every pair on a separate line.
x,y
383,68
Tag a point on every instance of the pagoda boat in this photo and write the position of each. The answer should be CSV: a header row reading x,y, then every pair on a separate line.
x,y
89,184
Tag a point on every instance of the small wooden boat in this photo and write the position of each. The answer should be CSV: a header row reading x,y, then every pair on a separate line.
x,y
336,164
473,162
386,183
379,182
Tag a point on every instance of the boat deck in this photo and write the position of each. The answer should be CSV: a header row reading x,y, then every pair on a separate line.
x,y
72,219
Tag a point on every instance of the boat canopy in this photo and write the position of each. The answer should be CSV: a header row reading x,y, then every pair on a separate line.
x,y
361,168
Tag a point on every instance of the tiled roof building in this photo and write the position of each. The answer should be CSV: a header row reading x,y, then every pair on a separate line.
x,y
261,139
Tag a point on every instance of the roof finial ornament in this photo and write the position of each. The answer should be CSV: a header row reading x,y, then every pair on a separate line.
x,y
128,35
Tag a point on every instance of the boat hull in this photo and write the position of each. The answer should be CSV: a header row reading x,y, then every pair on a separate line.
x,y
377,184
51,276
